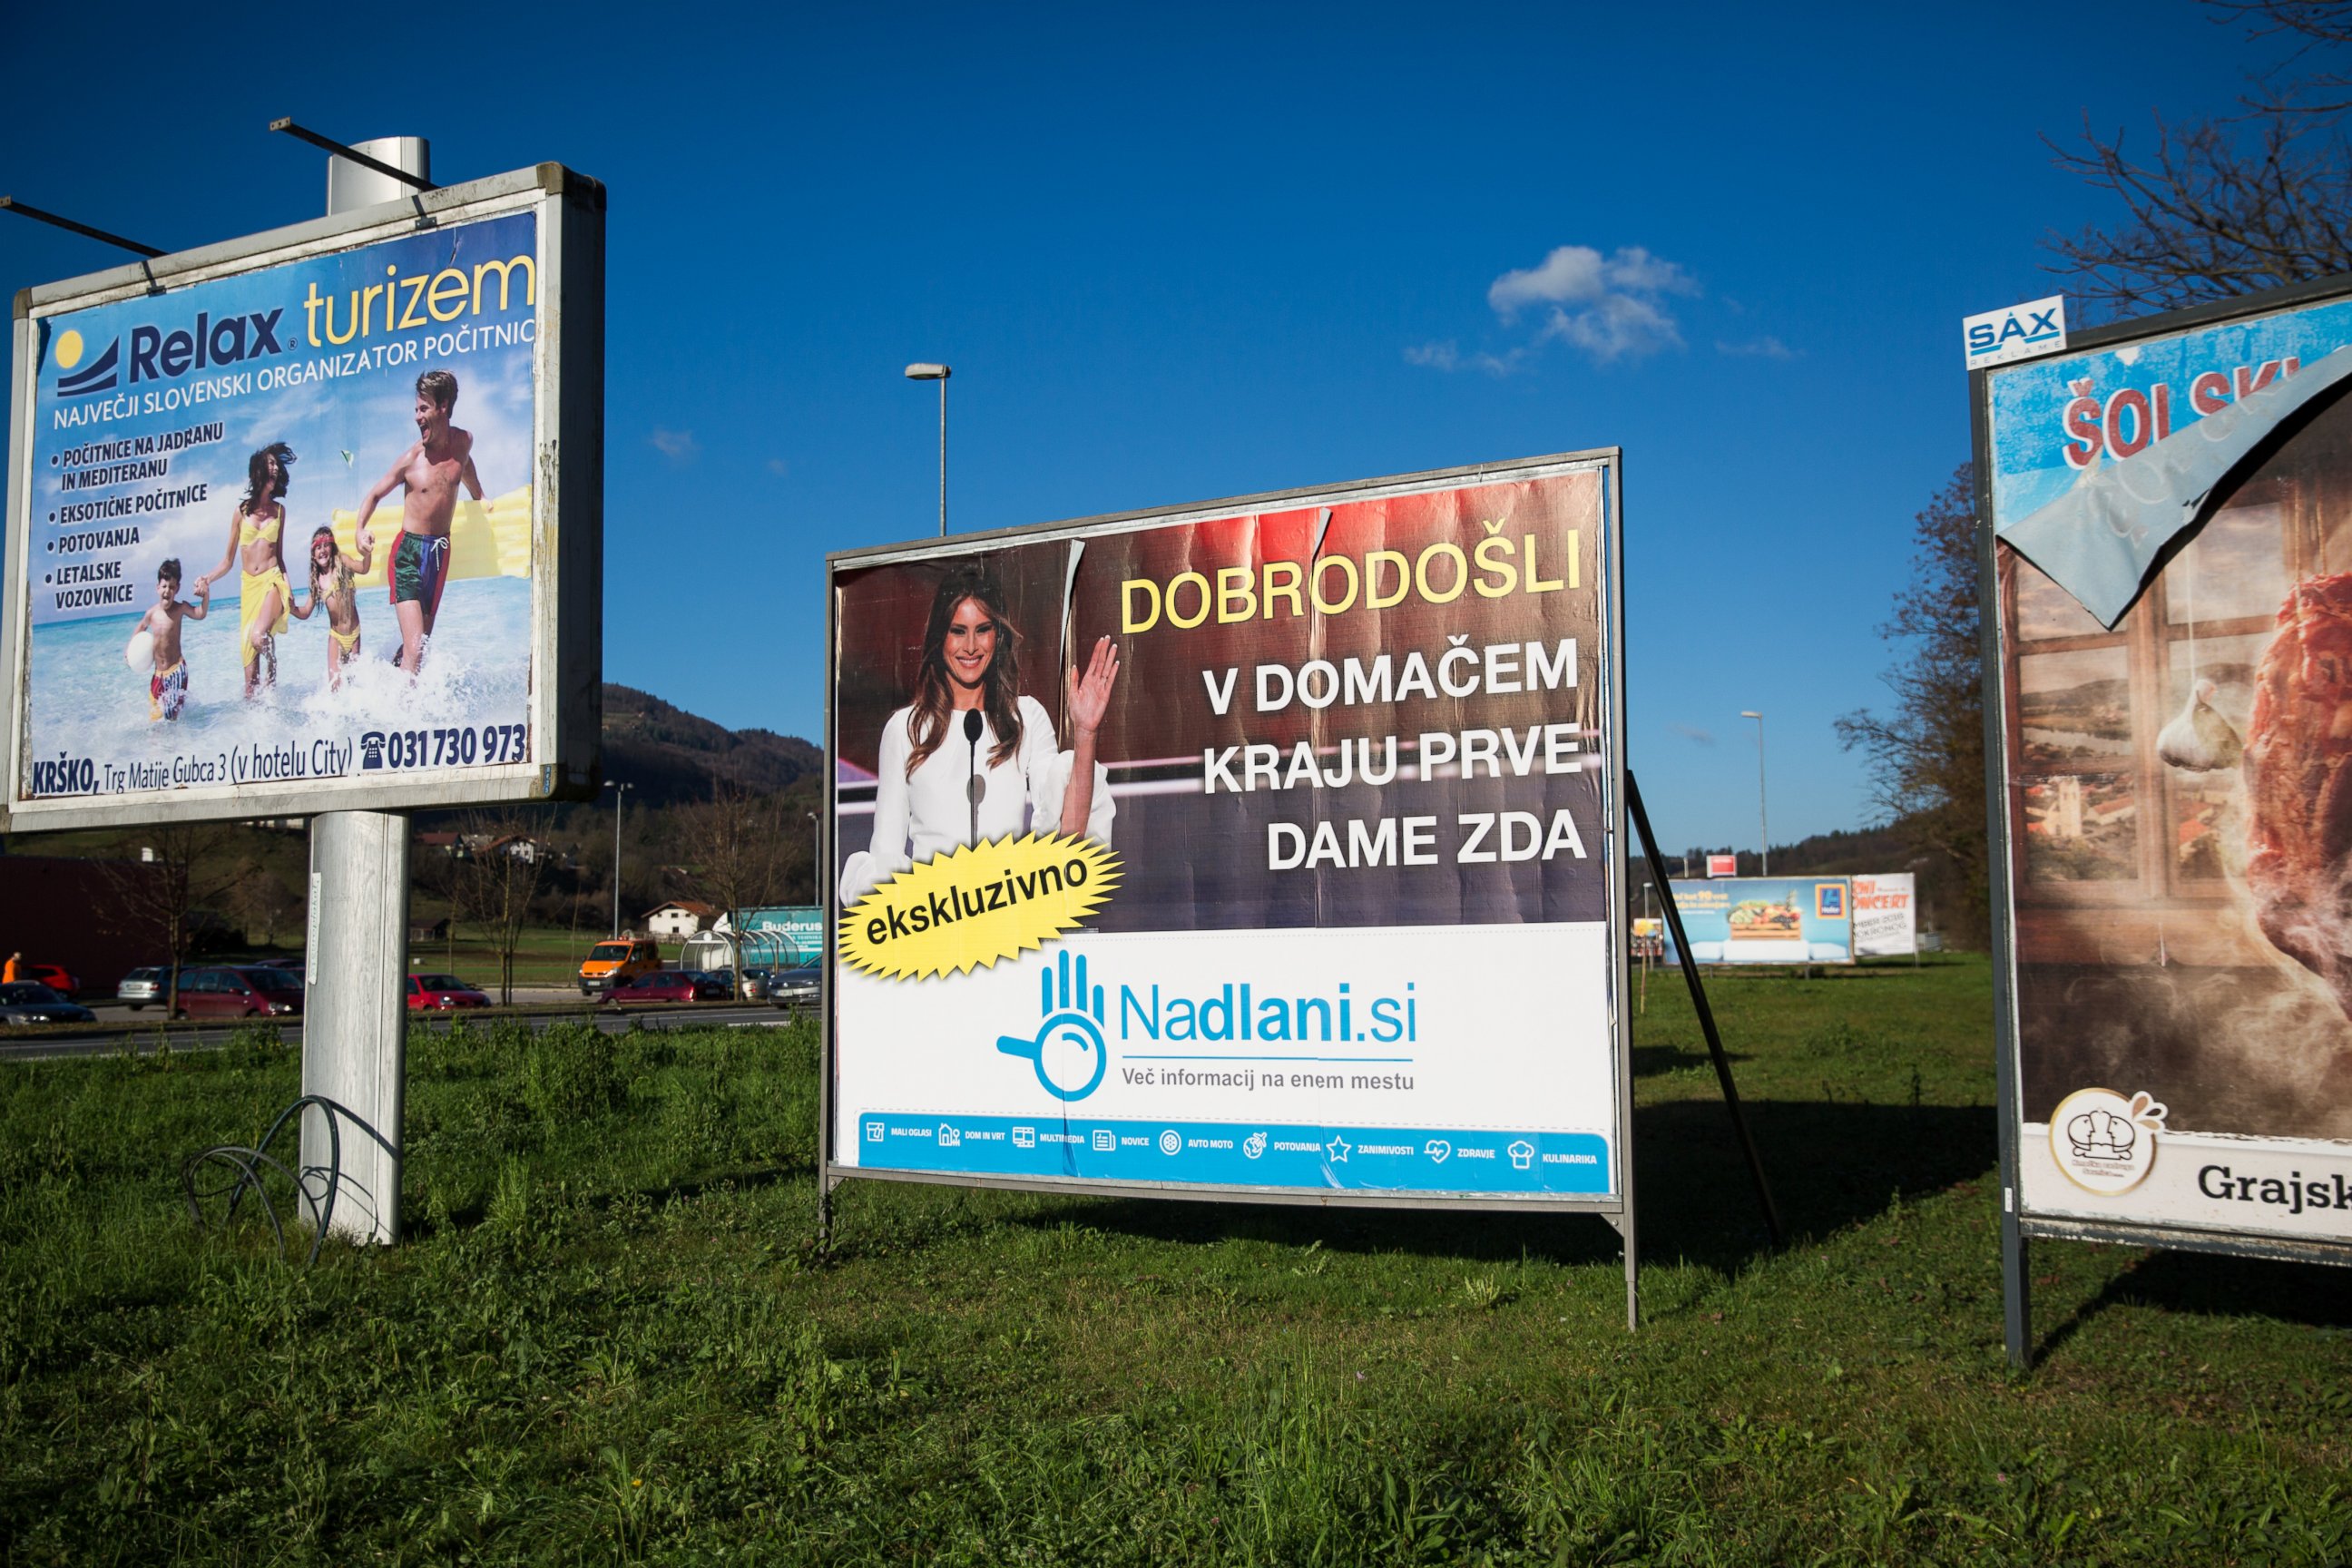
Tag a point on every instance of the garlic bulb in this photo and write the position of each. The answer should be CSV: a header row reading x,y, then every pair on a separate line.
x,y
2199,741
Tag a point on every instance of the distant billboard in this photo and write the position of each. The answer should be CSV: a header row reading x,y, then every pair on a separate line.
x,y
1886,916
1261,847
792,934
1767,919
2171,507
283,520
1722,864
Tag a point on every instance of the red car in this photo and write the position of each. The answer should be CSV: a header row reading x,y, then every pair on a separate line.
x,y
239,992
668,985
52,976
443,991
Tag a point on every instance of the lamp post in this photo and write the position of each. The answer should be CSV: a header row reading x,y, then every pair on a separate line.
x,y
1763,831
816,861
620,799
940,373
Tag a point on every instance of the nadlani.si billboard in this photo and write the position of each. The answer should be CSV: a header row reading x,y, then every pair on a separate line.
x,y
2172,507
283,529
1887,915
1265,846
1767,919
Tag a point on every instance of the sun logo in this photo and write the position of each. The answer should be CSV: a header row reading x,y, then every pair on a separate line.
x,y
68,349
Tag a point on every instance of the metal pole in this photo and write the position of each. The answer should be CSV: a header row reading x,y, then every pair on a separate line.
x,y
1763,828
943,456
816,861
1706,1013
355,963
620,798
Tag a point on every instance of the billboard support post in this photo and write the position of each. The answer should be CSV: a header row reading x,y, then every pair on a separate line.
x,y
355,1024
1698,1002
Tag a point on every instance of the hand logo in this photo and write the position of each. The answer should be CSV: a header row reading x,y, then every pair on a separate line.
x,y
1068,1052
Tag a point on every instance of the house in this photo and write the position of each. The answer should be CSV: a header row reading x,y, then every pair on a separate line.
x,y
679,918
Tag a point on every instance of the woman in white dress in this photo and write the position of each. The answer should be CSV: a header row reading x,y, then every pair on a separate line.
x,y
930,772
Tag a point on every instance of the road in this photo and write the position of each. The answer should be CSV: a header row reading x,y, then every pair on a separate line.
x,y
120,1028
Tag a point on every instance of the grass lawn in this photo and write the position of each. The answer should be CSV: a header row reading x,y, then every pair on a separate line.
x,y
609,1340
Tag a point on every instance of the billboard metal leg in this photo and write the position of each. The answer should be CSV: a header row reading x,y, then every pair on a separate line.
x,y
355,1014
1632,1259
1698,1000
2016,1294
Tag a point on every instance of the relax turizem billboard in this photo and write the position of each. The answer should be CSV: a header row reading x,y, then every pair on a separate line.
x,y
1265,845
284,525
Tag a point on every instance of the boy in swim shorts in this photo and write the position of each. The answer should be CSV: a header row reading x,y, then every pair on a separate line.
x,y
431,471
167,688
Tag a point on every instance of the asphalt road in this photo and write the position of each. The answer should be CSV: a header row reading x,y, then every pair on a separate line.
x,y
120,1029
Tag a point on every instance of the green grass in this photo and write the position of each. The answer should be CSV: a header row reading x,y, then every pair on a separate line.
x,y
610,1340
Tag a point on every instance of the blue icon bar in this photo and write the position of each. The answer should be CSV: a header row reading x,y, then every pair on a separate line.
x,y
1252,1154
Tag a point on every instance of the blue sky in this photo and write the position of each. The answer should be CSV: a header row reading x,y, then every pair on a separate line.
x,y
1196,252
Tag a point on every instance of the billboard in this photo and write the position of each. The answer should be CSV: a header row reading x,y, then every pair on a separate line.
x,y
283,531
1722,864
2168,506
1886,916
789,934
1767,919
1262,847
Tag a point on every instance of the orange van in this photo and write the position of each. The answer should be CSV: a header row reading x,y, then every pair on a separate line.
x,y
617,961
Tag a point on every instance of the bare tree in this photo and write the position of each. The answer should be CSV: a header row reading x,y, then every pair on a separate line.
x,y
260,899
1926,753
169,871
496,881
735,846
2234,205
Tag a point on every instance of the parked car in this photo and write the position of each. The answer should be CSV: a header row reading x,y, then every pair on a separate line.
x,y
660,985
443,991
30,1002
794,987
142,986
297,964
240,993
55,976
617,961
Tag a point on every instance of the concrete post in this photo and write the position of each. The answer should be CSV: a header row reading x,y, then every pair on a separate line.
x,y
355,1014
355,990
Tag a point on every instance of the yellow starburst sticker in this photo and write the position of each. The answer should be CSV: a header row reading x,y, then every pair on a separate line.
x,y
978,903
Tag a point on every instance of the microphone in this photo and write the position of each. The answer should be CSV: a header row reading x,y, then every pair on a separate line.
x,y
974,786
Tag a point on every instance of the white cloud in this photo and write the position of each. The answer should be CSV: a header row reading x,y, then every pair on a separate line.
x,y
778,467
1448,355
1765,347
1610,306
1616,326
1578,274
678,446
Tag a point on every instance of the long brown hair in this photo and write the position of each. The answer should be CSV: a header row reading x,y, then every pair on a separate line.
x,y
1000,690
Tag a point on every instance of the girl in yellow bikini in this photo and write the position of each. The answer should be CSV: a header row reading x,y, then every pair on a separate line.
x,y
331,572
255,529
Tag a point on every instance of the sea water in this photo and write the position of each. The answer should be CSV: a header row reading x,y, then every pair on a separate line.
x,y
86,701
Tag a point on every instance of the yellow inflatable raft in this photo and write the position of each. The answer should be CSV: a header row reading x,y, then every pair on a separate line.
x,y
487,539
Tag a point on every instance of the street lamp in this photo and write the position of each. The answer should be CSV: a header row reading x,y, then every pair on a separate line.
x,y
620,798
940,373
1763,832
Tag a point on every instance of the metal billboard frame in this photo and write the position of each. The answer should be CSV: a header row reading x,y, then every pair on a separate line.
x,y
2017,1227
1618,1210
567,498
